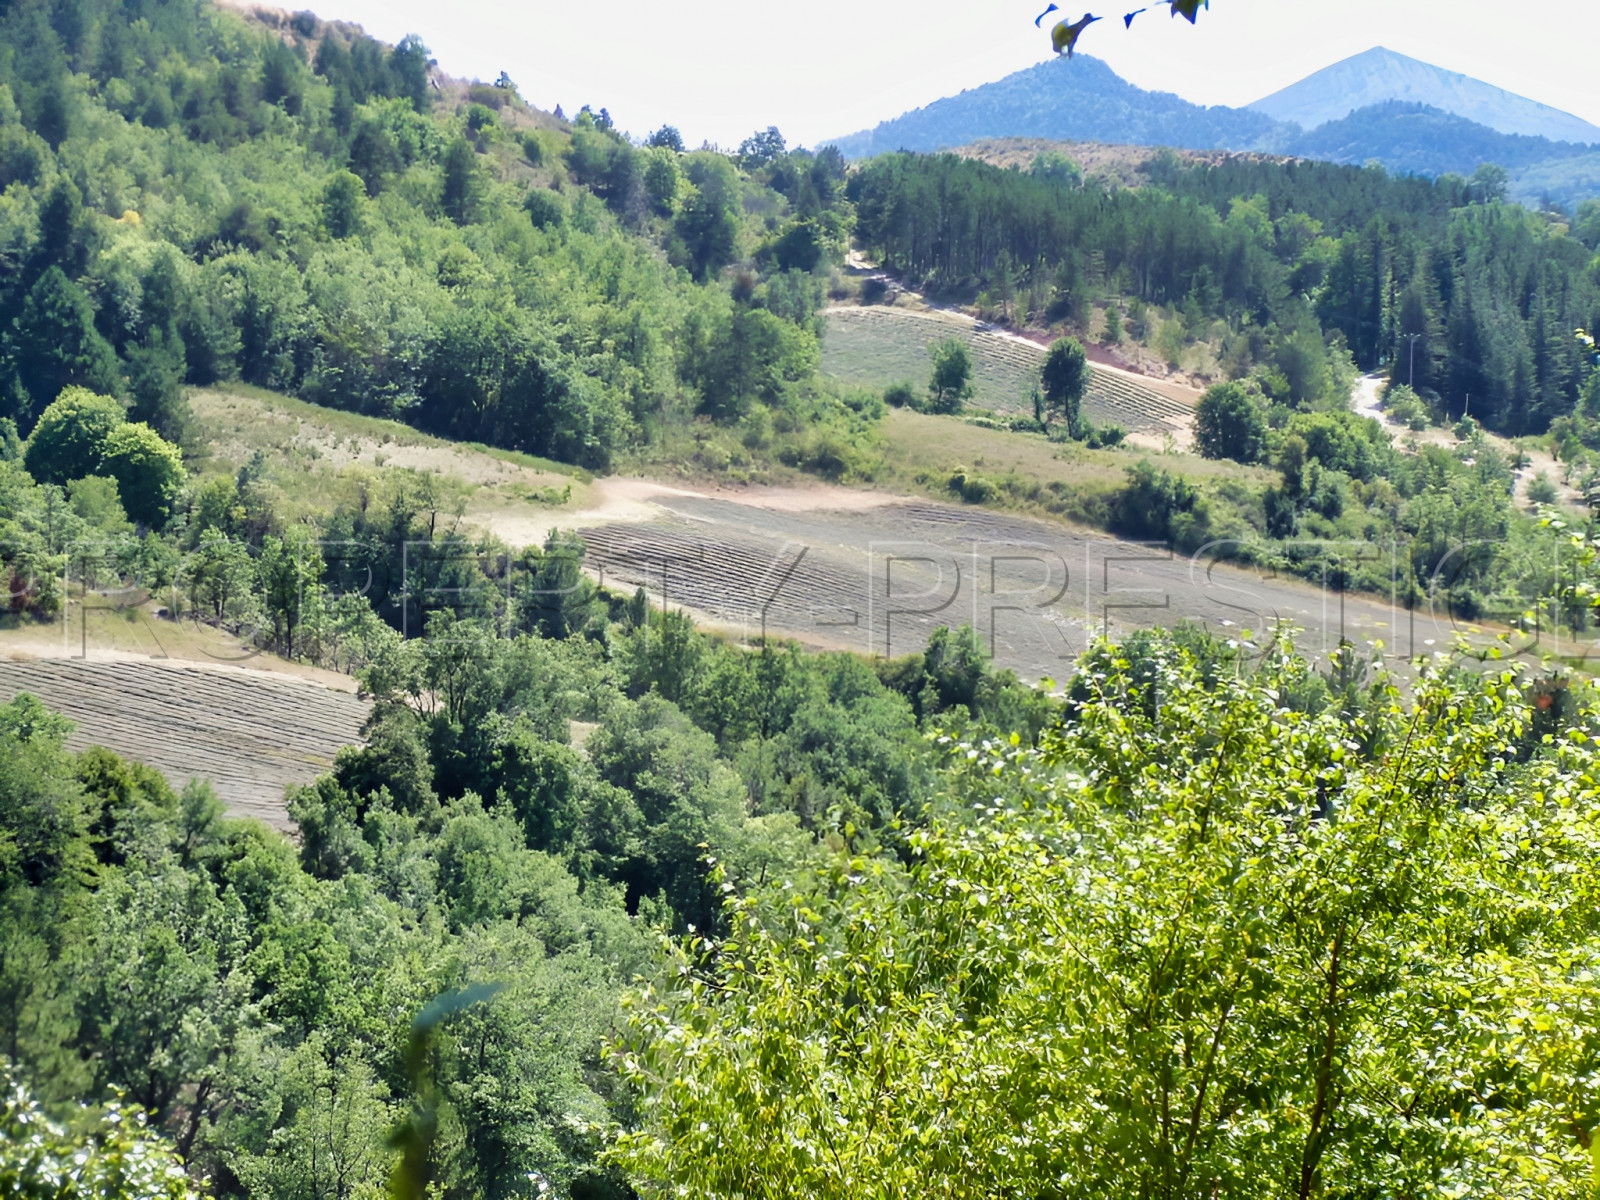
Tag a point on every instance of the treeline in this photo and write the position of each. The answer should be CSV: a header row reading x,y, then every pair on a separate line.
x,y
191,198
1273,260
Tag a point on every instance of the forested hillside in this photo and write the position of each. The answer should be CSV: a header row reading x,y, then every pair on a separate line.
x,y
607,908
1291,257
189,198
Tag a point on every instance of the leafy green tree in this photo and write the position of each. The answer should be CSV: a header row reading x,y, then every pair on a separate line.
x,y
341,205
1064,376
762,147
156,370
667,138
952,375
148,470
544,209
662,180
461,191
1205,946
1229,423
289,578
706,231
107,1153
219,576
57,345
72,436
1057,168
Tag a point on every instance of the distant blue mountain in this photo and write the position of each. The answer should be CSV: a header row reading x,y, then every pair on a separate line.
x,y
1078,99
1418,139
1082,99
1378,75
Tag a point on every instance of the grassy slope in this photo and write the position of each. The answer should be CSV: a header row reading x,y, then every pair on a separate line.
x,y
877,346
315,457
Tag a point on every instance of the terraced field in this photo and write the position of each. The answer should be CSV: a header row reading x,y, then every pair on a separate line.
x,y
880,580
249,733
875,347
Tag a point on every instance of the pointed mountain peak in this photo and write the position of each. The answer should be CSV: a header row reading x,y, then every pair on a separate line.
x,y
1379,75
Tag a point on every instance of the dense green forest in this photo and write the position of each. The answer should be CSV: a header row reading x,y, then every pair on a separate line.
x,y
1296,262
189,198
1342,933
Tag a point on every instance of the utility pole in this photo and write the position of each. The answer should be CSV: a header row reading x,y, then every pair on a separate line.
x,y
1412,382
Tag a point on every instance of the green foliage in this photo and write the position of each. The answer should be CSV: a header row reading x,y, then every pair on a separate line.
x,y
544,209
1229,423
148,470
341,205
1405,406
108,1154
57,345
1064,376
901,395
951,384
193,216
1245,243
1210,947
71,436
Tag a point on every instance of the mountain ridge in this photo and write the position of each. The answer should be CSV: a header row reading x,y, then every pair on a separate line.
x,y
1084,100
1380,75
1077,99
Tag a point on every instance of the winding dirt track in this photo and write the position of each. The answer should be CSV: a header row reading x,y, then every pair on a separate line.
x,y
250,733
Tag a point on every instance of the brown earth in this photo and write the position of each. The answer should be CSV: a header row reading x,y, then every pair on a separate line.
x,y
250,732
880,579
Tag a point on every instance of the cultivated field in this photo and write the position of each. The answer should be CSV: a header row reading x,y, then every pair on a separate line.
x,y
877,346
880,578
251,733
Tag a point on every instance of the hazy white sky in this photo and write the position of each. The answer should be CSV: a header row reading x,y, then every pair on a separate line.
x,y
719,69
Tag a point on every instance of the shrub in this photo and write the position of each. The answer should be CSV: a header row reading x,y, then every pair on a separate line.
x,y
900,395
69,441
544,209
148,470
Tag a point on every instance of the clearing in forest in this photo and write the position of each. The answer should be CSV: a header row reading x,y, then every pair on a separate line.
x,y
877,345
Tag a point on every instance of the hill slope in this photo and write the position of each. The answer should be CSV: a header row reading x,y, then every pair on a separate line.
x,y
1417,139
1077,99
1378,75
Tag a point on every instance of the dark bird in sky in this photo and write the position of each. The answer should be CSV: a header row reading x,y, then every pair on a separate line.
x,y
1127,18
1064,37
1044,14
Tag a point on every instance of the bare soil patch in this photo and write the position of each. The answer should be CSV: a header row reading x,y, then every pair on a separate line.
x,y
252,733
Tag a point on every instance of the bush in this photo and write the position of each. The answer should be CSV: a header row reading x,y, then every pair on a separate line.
x,y
545,209
106,1155
974,489
1406,408
69,441
900,395
1542,489
1104,437
1229,423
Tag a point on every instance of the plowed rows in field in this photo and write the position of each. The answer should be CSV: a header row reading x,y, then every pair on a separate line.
x,y
878,346
882,580
250,734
